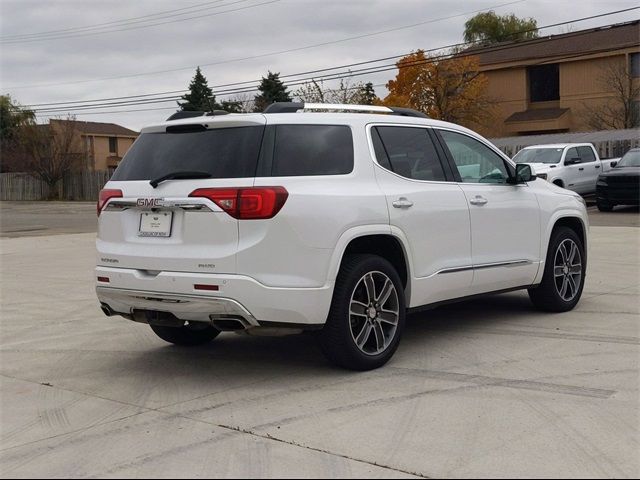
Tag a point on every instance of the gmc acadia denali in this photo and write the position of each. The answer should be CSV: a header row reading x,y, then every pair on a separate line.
x,y
333,218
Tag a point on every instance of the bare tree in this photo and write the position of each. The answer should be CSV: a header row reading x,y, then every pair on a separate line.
x,y
51,151
245,102
345,93
617,112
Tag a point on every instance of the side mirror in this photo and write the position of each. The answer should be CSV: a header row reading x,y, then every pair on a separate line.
x,y
613,164
524,174
572,161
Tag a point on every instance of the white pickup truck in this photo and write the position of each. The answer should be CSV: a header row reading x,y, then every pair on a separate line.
x,y
574,166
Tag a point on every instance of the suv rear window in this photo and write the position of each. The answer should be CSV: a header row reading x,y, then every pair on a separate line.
x,y
222,152
301,150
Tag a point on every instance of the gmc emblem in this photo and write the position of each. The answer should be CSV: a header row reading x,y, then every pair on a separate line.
x,y
150,202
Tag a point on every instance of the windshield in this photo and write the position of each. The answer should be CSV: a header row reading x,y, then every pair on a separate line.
x,y
538,155
630,159
221,153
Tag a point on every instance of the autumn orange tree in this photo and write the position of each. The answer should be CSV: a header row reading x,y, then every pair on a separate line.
x,y
450,89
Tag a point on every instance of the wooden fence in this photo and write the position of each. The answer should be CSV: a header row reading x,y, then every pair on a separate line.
x,y
75,186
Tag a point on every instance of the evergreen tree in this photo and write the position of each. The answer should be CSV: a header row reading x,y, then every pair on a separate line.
x,y
272,90
200,96
367,95
12,117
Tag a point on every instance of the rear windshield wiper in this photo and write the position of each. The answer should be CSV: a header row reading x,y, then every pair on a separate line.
x,y
178,175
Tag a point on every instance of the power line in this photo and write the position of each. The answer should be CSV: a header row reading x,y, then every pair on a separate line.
x,y
145,26
123,21
280,52
328,77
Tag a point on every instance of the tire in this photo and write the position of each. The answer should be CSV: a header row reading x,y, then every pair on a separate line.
x,y
376,328
563,280
187,336
604,207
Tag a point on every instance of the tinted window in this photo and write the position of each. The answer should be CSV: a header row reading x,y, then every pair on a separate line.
x,y
538,155
571,154
544,83
476,162
635,64
411,153
586,154
312,150
630,159
378,147
222,152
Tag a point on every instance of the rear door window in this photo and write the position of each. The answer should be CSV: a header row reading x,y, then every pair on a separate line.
x,y
410,153
303,150
221,152
586,154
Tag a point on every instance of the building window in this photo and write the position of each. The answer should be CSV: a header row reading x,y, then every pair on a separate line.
x,y
635,65
544,83
635,114
113,145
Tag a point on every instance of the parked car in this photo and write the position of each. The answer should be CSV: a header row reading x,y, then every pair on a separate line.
x,y
621,184
315,217
574,166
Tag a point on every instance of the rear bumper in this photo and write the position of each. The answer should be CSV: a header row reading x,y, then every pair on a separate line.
x,y
237,296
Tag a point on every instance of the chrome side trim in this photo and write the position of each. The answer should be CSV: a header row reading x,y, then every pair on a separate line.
x,y
513,263
453,270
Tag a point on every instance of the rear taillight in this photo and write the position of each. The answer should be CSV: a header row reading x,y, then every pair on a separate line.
x,y
107,194
251,203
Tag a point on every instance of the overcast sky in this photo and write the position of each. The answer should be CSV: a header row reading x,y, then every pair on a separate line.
x,y
37,69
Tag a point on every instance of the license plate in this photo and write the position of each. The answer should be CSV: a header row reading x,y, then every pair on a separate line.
x,y
155,224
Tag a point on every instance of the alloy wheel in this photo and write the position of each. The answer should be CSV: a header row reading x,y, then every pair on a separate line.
x,y
374,313
567,269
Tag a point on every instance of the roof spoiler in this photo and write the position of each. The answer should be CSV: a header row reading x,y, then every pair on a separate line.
x,y
192,114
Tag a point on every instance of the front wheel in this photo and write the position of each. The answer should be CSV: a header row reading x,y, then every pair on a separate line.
x,y
188,335
604,207
564,273
367,314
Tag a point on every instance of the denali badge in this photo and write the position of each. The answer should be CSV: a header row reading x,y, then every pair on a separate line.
x,y
150,202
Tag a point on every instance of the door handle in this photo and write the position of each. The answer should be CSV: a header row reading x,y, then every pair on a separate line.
x,y
581,169
403,202
478,200
597,166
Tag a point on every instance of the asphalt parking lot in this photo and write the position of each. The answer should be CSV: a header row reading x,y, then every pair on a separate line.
x,y
483,388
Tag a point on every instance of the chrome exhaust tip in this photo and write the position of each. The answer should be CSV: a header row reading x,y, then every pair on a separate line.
x,y
106,309
229,323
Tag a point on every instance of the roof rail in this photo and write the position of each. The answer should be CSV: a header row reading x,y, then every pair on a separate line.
x,y
293,107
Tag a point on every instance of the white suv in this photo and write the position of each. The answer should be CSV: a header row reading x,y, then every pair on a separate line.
x,y
334,218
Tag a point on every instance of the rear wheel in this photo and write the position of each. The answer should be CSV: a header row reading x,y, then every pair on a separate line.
x,y
367,314
564,273
187,335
